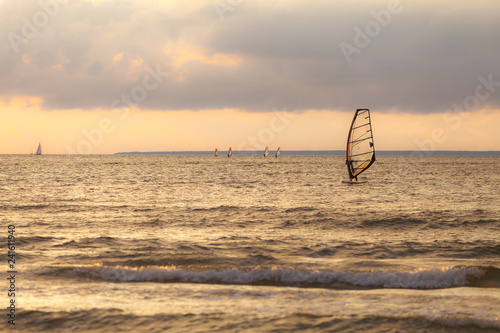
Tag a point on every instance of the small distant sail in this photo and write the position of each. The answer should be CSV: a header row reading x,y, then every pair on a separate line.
x,y
230,153
266,152
277,152
360,152
39,149
216,153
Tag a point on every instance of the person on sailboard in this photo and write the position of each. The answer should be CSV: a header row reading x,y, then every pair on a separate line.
x,y
352,168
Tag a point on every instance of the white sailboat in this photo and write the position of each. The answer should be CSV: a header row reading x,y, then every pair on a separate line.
x,y
360,152
39,149
266,152
277,152
230,153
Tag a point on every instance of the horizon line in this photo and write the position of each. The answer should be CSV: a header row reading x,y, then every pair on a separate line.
x,y
314,152
289,152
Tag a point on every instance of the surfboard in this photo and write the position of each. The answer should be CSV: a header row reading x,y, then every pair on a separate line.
x,y
354,182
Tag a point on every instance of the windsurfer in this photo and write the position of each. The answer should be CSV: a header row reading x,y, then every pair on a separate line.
x,y
350,163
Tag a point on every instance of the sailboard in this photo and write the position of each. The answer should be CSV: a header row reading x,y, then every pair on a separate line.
x,y
277,152
230,152
360,152
216,153
266,152
39,149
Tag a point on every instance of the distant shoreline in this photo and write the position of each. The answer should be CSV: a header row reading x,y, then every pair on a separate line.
x,y
320,152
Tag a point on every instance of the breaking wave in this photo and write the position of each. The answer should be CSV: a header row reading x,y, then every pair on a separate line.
x,y
436,278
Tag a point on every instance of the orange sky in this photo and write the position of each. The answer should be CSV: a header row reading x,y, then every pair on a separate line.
x,y
105,132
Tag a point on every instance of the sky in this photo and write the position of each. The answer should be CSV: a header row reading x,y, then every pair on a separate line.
x,y
105,76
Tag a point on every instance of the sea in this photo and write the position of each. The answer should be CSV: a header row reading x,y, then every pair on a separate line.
x,y
197,243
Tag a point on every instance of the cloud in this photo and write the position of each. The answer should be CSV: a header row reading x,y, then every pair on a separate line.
x,y
262,55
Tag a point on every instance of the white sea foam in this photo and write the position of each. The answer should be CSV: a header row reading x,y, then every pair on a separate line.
x,y
423,279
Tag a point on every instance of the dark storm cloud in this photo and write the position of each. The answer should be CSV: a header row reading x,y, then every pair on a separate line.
x,y
421,58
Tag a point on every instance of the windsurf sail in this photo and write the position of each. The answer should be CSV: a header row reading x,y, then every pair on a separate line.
x,y
266,152
277,152
39,149
230,153
216,153
360,153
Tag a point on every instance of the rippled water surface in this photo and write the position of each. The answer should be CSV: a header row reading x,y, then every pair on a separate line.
x,y
198,243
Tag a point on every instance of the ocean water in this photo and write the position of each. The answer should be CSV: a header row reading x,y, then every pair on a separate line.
x,y
156,243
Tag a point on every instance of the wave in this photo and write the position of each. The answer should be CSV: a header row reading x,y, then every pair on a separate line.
x,y
300,209
25,207
107,242
403,249
396,222
89,242
424,223
112,319
35,239
436,278
381,323
223,208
